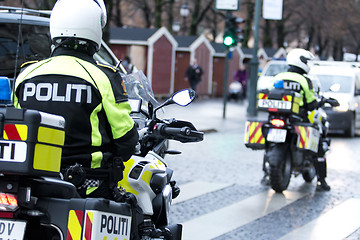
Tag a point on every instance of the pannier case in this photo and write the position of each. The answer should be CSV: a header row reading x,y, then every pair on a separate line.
x,y
254,137
90,218
30,142
308,137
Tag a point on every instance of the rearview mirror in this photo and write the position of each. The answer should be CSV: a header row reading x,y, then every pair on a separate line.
x,y
184,97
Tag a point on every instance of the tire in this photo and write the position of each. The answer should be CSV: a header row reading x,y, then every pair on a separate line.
x,y
280,173
350,132
309,174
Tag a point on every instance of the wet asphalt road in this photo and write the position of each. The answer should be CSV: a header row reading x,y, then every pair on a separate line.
x,y
222,159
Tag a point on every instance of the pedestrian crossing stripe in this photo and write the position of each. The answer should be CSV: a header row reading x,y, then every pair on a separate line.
x,y
336,224
207,226
198,188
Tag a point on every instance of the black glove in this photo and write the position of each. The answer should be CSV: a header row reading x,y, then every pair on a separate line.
x,y
117,169
75,174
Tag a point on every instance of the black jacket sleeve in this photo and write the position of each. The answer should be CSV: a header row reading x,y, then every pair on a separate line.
x,y
124,147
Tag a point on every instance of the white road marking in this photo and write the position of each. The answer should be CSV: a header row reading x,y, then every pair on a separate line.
x,y
226,219
196,189
336,224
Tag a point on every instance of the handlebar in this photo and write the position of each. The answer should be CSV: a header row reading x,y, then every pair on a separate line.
x,y
182,134
333,102
185,131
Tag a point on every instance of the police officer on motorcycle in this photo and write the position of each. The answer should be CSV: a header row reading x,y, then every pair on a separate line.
x,y
99,132
295,79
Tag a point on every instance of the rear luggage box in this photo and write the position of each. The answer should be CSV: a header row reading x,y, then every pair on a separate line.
x,y
279,100
30,142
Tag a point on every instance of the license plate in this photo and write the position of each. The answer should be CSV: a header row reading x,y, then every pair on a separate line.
x,y
12,229
276,135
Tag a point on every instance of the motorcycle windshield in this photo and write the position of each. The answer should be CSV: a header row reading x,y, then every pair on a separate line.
x,y
138,86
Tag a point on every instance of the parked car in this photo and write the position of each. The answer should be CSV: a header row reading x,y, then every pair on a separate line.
x,y
273,67
33,43
341,82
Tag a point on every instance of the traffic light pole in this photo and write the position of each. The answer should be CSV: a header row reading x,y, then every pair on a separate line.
x,y
254,64
226,76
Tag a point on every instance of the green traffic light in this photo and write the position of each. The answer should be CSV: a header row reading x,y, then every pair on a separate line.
x,y
228,41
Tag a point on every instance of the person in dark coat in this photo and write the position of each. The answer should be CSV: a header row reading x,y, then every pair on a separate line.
x,y
193,74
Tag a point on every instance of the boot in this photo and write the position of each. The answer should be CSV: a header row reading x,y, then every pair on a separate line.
x,y
320,166
322,185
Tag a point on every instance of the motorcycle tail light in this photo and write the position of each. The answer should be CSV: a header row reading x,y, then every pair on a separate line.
x,y
6,214
8,202
278,122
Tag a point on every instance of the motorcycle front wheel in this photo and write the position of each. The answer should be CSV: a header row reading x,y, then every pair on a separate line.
x,y
280,167
309,174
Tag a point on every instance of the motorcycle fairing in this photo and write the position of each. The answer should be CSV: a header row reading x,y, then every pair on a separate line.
x,y
138,175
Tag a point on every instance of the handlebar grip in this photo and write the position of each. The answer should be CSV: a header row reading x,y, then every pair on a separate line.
x,y
182,134
185,131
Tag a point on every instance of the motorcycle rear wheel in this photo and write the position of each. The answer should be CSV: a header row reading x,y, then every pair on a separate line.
x,y
280,173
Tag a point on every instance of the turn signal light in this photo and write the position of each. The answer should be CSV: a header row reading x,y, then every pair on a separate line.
x,y
278,122
8,202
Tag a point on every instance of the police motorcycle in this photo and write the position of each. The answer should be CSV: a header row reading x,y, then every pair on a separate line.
x,y
291,145
36,203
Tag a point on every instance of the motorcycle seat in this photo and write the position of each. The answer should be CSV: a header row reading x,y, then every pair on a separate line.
x,y
53,187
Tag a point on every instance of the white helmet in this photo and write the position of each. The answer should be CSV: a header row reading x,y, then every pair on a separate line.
x,y
299,58
82,19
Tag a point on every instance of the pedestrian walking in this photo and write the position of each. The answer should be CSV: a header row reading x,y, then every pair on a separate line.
x,y
193,74
241,76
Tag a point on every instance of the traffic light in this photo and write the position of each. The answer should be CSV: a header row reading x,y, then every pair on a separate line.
x,y
232,31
